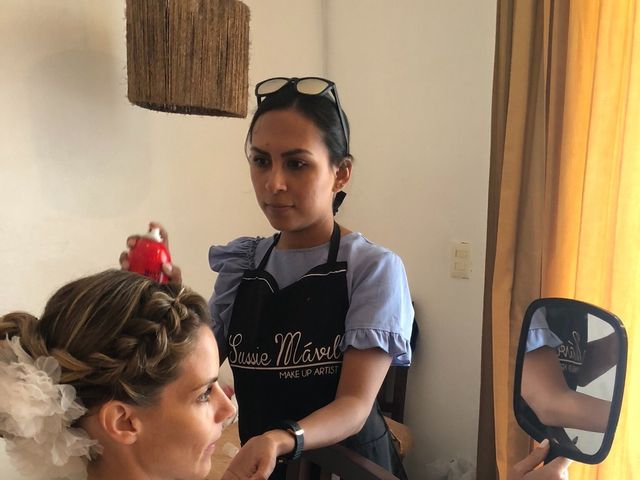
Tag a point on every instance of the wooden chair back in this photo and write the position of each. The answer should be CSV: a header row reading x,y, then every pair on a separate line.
x,y
394,387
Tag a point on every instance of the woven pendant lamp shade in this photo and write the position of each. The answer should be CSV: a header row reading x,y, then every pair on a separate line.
x,y
188,56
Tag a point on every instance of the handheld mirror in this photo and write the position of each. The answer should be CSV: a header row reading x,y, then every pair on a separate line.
x,y
569,377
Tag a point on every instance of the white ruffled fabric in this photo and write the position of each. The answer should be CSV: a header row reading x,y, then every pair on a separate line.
x,y
36,412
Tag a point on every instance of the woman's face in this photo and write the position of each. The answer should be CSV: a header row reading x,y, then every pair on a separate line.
x,y
178,434
292,175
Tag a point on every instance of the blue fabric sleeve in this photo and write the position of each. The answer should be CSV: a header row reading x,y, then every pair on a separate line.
x,y
540,335
229,261
380,311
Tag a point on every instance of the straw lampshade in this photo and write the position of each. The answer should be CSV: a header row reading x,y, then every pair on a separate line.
x,y
188,56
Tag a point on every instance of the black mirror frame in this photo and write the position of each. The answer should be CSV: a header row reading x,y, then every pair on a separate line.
x,y
557,450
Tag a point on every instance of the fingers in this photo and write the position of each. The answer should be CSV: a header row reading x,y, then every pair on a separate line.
x,y
262,474
235,472
256,460
132,240
124,260
163,233
560,465
530,462
262,471
124,256
536,457
230,475
173,272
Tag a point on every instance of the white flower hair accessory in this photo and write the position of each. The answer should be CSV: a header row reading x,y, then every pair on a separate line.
x,y
36,412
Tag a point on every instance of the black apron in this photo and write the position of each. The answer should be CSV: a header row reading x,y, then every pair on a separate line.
x,y
572,330
283,348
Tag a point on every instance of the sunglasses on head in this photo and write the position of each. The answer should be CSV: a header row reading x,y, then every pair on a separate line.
x,y
304,86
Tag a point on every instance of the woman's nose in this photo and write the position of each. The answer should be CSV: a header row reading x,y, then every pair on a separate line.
x,y
224,408
276,181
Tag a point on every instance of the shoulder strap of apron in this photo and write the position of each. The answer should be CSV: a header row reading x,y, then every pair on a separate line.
x,y
265,258
335,244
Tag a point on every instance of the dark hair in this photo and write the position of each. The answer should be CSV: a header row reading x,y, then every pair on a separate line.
x,y
117,335
320,109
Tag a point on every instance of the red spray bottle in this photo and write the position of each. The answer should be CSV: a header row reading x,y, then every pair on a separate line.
x,y
148,255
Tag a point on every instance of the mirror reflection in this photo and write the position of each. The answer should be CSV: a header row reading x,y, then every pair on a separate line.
x,y
568,376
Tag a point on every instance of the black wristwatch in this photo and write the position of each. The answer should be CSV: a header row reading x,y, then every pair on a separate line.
x,y
298,436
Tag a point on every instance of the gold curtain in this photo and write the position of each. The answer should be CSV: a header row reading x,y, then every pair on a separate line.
x,y
592,249
516,211
565,177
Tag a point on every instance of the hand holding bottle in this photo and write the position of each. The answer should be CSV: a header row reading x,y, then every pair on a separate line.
x,y
149,255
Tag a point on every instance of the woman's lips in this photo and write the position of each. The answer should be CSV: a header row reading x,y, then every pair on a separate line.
x,y
278,208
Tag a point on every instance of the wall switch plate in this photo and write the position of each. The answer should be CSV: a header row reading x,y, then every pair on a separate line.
x,y
460,259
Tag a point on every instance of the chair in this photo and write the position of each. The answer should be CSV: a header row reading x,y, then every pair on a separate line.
x,y
336,462
391,399
392,393
394,387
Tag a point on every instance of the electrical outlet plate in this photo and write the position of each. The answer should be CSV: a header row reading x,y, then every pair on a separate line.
x,y
460,259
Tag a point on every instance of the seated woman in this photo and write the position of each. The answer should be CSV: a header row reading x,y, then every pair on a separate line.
x,y
118,379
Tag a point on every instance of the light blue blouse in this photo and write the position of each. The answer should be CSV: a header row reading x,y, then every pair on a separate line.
x,y
540,335
380,310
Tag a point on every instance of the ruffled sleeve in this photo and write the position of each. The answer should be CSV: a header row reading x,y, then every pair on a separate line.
x,y
540,335
380,311
229,261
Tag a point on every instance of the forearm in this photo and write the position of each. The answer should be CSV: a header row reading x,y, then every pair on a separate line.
x,y
573,410
586,412
361,375
347,413
546,392
331,424
340,419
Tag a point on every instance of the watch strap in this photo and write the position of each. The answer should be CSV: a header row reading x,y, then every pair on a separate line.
x,y
298,437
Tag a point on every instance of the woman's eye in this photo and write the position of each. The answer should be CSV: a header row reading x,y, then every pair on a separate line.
x,y
204,398
295,164
260,161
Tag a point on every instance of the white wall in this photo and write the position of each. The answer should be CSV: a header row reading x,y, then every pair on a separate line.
x,y
80,168
416,79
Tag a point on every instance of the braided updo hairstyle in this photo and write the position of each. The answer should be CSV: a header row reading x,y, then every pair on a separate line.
x,y
117,335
